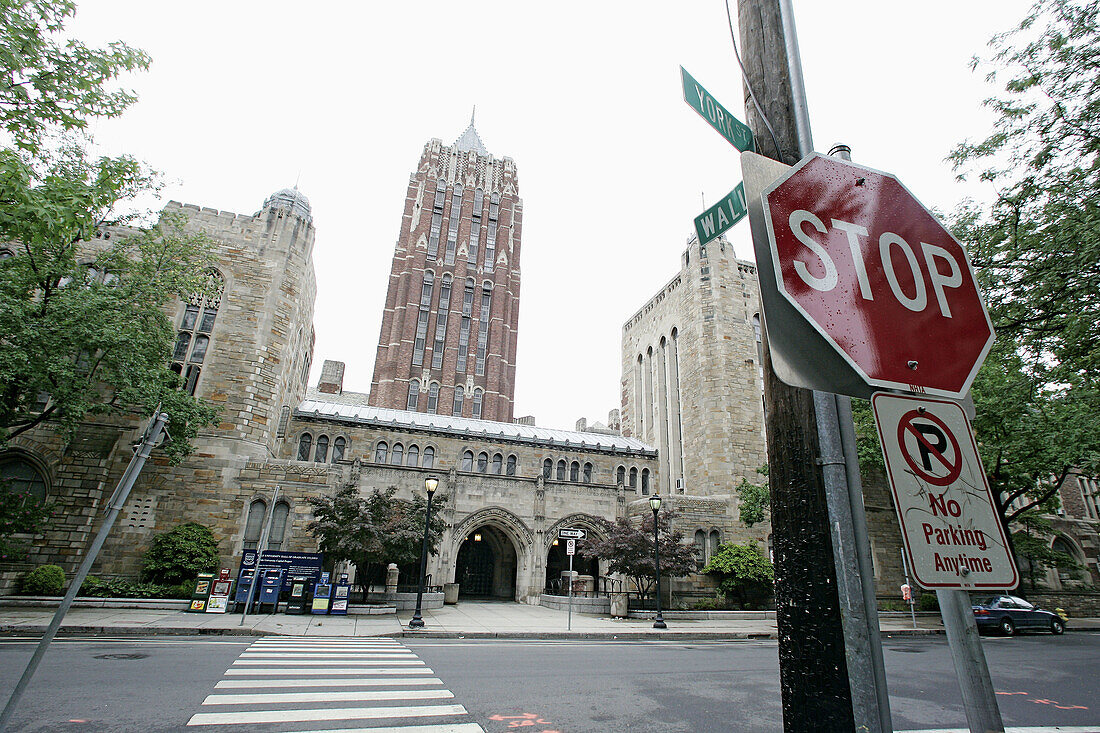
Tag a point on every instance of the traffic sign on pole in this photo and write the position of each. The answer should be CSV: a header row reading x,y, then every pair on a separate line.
x,y
574,533
570,547
877,276
721,119
949,523
723,215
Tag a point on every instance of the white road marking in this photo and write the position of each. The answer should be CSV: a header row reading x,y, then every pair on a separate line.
x,y
327,682
318,663
275,698
358,670
445,728
302,716
327,655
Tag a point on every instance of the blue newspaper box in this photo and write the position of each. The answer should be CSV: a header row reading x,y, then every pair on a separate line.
x,y
340,592
322,596
271,583
244,587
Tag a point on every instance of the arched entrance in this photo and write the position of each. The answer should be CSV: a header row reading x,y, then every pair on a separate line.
x,y
557,562
486,565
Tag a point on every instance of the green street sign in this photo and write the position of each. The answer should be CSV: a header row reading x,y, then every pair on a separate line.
x,y
723,215
731,128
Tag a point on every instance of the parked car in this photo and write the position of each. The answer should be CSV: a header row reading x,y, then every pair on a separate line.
x,y
1009,613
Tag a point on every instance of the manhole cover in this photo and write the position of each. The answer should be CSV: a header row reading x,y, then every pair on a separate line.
x,y
121,656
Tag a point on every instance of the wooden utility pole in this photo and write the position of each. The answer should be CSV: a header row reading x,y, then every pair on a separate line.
x,y
813,668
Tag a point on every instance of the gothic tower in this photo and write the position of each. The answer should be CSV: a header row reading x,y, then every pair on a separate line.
x,y
448,338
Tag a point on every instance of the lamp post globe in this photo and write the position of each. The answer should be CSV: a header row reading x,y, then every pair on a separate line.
x,y
655,505
431,483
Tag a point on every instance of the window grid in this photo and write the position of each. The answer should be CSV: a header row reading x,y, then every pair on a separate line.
x,y
459,395
510,469
322,449
452,226
477,404
338,447
305,444
441,322
433,398
475,225
483,329
193,335
491,234
414,396
422,318
437,218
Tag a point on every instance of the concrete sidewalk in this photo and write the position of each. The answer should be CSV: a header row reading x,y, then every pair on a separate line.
x,y
469,619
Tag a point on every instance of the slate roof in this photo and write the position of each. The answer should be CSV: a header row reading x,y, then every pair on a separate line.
x,y
321,409
470,140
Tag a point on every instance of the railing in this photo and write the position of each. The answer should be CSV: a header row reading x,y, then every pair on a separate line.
x,y
605,586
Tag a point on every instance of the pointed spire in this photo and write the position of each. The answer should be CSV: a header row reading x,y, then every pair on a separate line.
x,y
469,139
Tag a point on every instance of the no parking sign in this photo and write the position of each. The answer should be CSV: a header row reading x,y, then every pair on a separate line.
x,y
949,522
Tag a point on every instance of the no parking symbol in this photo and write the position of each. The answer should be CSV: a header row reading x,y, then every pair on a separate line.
x,y
929,447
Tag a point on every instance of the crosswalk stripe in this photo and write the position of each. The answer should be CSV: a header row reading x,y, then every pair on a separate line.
x,y
336,642
273,698
326,648
358,669
302,716
445,728
321,664
326,655
327,682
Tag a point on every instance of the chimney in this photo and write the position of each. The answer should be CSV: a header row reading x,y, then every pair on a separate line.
x,y
332,377
582,425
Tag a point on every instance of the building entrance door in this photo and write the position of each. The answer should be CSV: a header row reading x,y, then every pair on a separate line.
x,y
486,565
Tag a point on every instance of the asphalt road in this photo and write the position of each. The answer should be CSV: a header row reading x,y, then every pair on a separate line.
x,y
575,686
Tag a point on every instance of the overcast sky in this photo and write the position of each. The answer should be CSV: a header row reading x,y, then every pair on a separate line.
x,y
245,98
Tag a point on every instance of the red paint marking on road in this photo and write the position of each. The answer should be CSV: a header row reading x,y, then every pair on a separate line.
x,y
1011,693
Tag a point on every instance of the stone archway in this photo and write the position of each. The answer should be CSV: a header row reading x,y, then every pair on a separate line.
x,y
492,549
556,561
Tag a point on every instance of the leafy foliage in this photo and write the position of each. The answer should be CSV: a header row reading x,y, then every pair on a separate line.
x,y
48,80
1037,254
628,549
94,587
181,554
754,500
20,514
44,580
1032,542
741,570
87,324
376,528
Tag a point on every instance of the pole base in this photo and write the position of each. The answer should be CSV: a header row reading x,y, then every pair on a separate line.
x,y
660,624
416,624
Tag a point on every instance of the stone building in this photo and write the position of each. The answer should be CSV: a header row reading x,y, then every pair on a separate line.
x,y
448,339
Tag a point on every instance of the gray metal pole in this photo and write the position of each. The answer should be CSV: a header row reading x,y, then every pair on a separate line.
x,y
261,545
905,571
979,698
118,500
570,622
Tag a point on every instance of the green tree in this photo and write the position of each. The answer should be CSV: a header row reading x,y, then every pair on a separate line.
x,y
741,571
627,547
754,500
375,529
21,515
50,81
1033,542
181,554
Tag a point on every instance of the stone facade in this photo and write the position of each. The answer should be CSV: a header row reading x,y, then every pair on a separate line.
x,y
452,307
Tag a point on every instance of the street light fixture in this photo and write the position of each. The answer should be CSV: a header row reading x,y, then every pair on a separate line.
x,y
655,505
430,485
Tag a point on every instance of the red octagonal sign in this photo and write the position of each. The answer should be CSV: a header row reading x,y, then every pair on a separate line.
x,y
878,276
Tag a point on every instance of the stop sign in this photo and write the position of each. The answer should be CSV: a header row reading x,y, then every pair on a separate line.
x,y
877,275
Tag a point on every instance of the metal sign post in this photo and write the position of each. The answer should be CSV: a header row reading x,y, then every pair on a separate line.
x,y
570,548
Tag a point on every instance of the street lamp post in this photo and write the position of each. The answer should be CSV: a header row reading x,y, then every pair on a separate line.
x,y
417,621
655,505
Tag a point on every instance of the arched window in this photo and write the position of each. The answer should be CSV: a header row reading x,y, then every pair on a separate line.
x,y
398,454
254,525
498,463
633,478
620,476
414,396
468,461
700,549
459,395
510,469
645,480
586,475
429,457
574,471
712,546
477,404
547,468
482,462
278,526
322,449
305,445
20,477
193,334
413,455
338,447
433,398
561,470
381,452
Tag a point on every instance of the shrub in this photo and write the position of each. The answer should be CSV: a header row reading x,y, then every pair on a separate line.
x,y
709,604
928,602
94,587
180,554
44,580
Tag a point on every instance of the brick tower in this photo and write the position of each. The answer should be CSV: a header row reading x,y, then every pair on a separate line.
x,y
448,338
